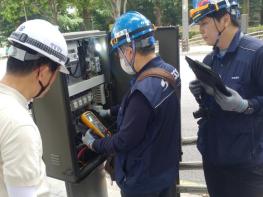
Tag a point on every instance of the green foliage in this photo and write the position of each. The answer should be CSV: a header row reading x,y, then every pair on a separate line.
x,y
5,31
102,20
171,10
68,23
97,14
144,7
256,28
255,10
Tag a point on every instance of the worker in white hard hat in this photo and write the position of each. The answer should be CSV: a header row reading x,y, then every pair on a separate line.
x,y
38,52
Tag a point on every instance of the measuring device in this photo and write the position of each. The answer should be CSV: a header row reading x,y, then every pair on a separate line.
x,y
91,121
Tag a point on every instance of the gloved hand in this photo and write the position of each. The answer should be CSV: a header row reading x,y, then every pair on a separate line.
x,y
88,139
102,112
195,87
231,103
208,89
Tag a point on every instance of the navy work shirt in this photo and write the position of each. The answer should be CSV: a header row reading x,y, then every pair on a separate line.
x,y
147,144
231,138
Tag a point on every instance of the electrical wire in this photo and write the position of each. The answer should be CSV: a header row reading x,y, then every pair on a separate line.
x,y
81,152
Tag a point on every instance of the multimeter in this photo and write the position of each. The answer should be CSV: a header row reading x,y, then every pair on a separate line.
x,y
91,121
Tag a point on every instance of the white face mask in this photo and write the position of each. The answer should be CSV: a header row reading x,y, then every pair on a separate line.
x,y
126,67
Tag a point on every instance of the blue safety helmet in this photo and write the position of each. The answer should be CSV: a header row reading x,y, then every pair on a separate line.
x,y
235,10
207,7
132,26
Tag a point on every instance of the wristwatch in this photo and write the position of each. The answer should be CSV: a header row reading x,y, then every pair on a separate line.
x,y
250,109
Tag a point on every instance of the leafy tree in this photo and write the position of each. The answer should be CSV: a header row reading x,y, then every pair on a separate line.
x,y
117,7
14,12
254,8
69,22
172,12
96,14
160,12
11,15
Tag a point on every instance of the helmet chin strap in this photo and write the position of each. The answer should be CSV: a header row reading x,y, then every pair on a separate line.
x,y
133,56
43,88
131,63
218,35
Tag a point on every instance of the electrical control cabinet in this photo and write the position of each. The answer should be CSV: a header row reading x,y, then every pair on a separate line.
x,y
58,113
95,78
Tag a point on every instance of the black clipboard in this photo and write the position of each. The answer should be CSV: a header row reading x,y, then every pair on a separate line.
x,y
206,75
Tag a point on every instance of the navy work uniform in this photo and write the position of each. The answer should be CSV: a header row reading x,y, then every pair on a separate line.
x,y
231,143
147,144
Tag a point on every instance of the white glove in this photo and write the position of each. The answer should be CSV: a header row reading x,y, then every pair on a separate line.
x,y
195,87
88,139
231,103
102,112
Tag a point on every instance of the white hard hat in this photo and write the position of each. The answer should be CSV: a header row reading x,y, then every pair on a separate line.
x,y
44,38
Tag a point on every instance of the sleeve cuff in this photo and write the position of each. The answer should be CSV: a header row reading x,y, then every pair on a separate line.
x,y
254,103
94,145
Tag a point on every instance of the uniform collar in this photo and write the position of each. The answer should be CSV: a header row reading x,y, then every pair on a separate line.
x,y
151,64
233,45
235,42
7,90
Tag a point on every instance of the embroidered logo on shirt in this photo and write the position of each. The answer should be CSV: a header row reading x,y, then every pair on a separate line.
x,y
235,77
164,84
175,74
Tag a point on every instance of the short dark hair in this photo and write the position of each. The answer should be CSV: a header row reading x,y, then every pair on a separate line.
x,y
146,50
142,50
218,15
15,66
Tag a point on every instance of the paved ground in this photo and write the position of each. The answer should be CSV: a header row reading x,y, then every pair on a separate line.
x,y
58,189
188,129
188,105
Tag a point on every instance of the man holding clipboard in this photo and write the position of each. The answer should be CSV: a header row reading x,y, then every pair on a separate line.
x,y
230,136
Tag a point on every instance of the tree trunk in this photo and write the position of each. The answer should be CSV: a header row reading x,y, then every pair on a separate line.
x,y
124,6
87,18
246,7
53,5
115,8
158,13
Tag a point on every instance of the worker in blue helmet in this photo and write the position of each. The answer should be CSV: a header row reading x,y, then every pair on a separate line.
x,y
134,30
230,133
147,144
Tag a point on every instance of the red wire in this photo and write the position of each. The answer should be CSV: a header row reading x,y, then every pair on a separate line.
x,y
81,152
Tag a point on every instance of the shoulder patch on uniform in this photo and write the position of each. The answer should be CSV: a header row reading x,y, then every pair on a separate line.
x,y
164,84
175,74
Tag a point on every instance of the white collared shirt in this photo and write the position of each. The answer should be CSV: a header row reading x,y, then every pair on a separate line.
x,y
21,163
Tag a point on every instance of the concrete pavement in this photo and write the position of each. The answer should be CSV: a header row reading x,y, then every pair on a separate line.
x,y
58,189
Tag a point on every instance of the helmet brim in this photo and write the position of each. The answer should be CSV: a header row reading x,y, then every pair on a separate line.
x,y
63,69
